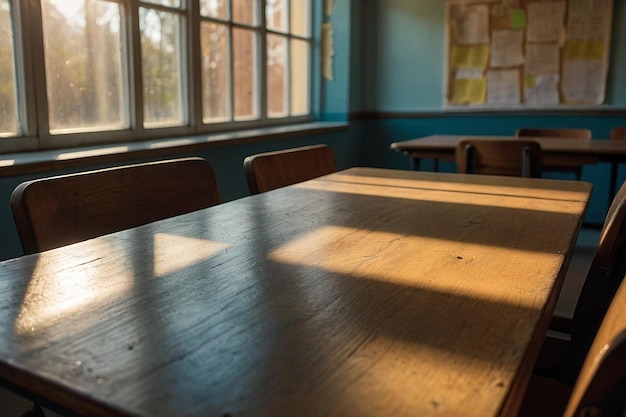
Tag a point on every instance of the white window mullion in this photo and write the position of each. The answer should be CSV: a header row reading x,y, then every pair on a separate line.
x,y
231,62
37,111
194,71
263,97
134,66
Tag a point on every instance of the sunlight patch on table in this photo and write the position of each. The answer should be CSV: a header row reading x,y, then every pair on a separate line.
x,y
57,290
461,268
173,253
455,193
61,288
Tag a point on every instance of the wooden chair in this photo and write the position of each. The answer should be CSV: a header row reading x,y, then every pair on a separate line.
x,y
575,134
561,360
270,170
600,389
499,157
57,211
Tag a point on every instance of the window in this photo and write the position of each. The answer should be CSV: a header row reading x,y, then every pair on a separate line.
x,y
95,71
83,66
8,88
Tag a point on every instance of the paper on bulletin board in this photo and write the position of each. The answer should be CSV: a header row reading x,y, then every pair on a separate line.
x,y
469,56
541,90
328,50
469,90
503,87
542,58
472,24
507,48
588,20
546,21
583,81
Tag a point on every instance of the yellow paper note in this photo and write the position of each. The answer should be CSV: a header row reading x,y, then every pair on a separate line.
x,y
469,91
469,56
584,50
530,81
328,50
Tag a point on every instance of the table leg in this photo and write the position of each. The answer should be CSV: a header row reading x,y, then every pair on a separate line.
x,y
613,183
415,164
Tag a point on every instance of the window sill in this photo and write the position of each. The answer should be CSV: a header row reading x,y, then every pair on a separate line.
x,y
39,161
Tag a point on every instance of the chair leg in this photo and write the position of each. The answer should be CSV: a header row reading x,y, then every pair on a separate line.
x,y
37,411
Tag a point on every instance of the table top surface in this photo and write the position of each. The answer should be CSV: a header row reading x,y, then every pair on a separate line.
x,y
558,145
367,292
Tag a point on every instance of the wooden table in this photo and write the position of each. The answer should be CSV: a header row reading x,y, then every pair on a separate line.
x,y
555,151
368,292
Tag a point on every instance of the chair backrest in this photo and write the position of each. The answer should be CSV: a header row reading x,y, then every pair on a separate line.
x,y
618,134
499,157
270,170
605,275
60,210
600,390
582,134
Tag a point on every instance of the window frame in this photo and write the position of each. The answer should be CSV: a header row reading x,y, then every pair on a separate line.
x,y
32,93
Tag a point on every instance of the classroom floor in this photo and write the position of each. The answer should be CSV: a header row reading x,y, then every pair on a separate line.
x,y
12,405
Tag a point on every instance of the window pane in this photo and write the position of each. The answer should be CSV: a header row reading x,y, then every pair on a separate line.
x,y
245,74
161,65
214,8
82,46
246,11
170,3
215,73
300,78
8,90
276,15
276,76
301,17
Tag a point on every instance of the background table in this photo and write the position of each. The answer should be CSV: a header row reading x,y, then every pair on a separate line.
x,y
555,151
365,293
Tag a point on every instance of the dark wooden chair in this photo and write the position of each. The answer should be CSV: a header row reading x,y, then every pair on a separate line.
x,y
560,359
270,170
60,210
499,157
563,165
600,389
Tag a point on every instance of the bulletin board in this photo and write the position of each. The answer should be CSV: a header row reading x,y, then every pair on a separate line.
x,y
504,54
